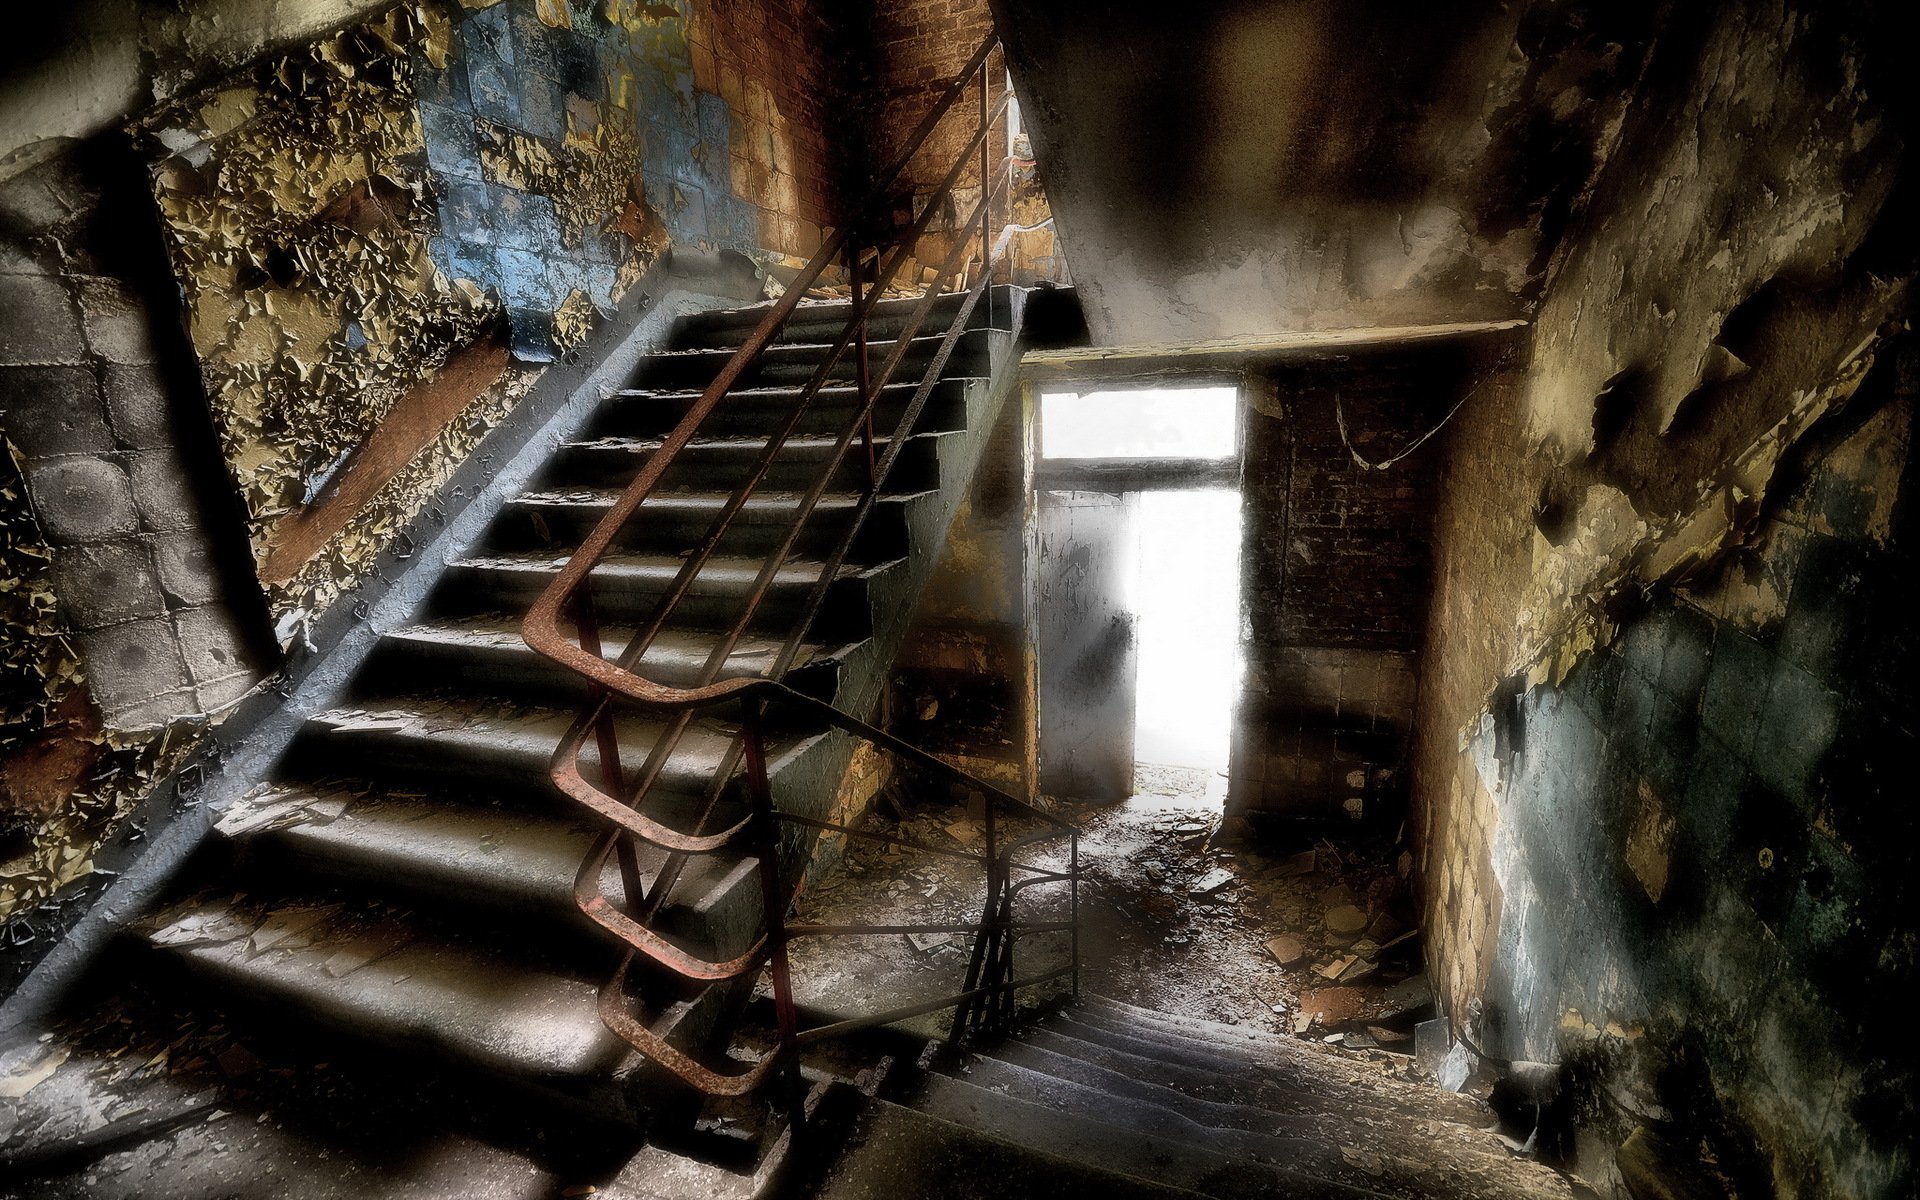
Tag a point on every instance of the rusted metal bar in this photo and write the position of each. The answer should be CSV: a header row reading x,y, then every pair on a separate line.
x,y
1073,912
773,901
800,929
821,1033
607,737
991,981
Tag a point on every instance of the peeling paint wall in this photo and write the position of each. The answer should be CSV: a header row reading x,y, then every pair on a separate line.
x,y
364,227
130,621
358,221
1664,695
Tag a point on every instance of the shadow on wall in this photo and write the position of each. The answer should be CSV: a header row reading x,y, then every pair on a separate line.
x,y
1705,836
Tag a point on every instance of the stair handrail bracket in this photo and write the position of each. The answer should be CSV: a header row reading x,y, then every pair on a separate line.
x,y
563,626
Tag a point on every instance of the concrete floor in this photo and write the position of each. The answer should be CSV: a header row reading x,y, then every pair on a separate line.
x,y
1178,916
181,1103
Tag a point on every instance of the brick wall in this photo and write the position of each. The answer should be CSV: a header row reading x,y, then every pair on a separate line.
x,y
782,70
1337,578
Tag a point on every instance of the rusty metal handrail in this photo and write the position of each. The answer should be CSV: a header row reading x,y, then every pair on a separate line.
x,y
617,800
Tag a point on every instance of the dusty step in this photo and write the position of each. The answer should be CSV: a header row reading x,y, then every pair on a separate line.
x,y
1269,1050
1367,1158
1082,1138
1229,1091
896,1152
501,747
799,362
627,585
487,652
1300,1076
812,321
726,461
385,976
764,410
674,521
515,862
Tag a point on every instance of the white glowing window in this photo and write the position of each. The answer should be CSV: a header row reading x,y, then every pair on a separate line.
x,y
1140,423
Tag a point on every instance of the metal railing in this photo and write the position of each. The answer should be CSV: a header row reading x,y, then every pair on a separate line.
x,y
618,798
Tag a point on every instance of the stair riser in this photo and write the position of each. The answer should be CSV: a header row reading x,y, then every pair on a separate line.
x,y
568,1105
670,527
843,616
792,366
699,468
760,414
397,665
815,325
503,771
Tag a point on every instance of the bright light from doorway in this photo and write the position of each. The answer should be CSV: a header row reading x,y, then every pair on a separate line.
x,y
1141,423
1186,595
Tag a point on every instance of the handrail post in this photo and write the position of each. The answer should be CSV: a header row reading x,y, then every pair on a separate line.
x,y
986,179
607,740
861,366
772,900
1073,887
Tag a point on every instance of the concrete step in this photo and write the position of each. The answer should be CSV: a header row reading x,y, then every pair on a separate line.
x,y
1405,1158
723,462
627,586
897,1152
1290,1064
515,864
673,521
1083,1138
1234,1090
816,321
636,412
794,363
391,978
486,656
500,748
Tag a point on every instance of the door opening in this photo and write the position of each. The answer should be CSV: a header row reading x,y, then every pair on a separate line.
x,y
1186,600
1135,578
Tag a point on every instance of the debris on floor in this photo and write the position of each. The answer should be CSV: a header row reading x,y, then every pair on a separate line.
x,y
1182,912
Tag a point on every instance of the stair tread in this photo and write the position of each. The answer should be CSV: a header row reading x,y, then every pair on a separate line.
x,y
717,572
674,655
382,973
1397,1157
1234,1090
522,737
693,501
1355,1085
1084,1138
809,310
898,1151
1238,1040
791,349
770,391
811,443
510,856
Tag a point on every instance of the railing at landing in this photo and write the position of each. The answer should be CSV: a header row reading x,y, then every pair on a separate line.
x,y
872,256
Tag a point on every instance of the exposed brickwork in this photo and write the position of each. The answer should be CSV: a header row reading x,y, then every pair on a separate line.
x,y
782,70
1337,577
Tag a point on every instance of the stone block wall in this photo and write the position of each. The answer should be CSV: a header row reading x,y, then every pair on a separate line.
x,y
91,382
131,618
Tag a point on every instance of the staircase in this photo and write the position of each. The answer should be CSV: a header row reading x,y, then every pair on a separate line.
x,y
408,875
1106,1100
